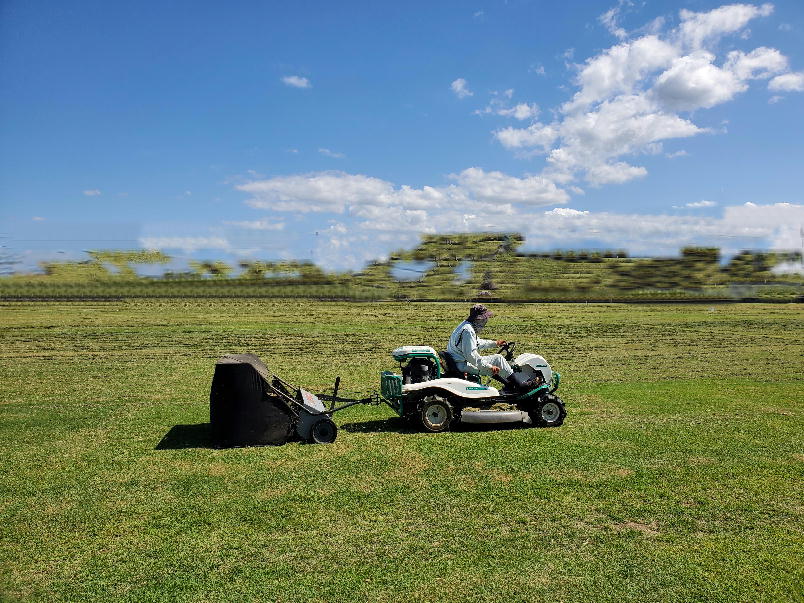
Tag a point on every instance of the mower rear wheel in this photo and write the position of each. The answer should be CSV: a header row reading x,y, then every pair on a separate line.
x,y
548,412
435,413
323,432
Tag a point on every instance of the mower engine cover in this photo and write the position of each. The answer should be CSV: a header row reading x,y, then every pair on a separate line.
x,y
406,352
528,365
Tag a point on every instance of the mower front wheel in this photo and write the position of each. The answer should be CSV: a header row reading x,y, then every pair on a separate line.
x,y
435,414
548,412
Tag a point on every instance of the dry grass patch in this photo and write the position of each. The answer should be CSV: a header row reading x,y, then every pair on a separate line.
x,y
648,529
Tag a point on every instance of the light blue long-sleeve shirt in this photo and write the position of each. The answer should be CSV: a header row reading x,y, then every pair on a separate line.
x,y
464,346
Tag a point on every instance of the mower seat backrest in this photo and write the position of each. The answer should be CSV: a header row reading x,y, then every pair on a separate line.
x,y
451,369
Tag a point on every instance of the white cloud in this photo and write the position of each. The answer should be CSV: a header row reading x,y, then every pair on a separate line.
x,y
693,82
460,88
697,204
476,201
630,97
296,81
789,268
38,219
698,29
766,217
566,211
344,248
320,191
500,105
332,154
749,225
680,153
591,142
397,219
614,173
760,63
775,226
787,82
368,197
496,187
258,225
654,27
610,20
186,244
619,69
520,111
381,217
536,135
93,192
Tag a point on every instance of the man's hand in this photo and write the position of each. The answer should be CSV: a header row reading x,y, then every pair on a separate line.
x,y
495,370
500,342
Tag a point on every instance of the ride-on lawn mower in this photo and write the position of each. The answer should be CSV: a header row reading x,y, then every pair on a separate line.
x,y
249,406
432,393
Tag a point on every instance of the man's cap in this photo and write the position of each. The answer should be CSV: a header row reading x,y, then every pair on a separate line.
x,y
480,312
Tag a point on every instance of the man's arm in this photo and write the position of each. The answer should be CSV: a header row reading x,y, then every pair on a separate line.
x,y
485,344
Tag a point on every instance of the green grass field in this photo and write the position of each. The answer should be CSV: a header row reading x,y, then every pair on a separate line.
x,y
678,475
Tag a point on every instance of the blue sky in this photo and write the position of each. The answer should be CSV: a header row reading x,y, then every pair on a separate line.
x,y
339,132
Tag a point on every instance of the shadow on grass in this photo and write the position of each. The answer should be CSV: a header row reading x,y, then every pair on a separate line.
x,y
187,436
398,425
200,436
394,425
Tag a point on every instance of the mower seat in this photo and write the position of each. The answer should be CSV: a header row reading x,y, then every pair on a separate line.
x,y
451,369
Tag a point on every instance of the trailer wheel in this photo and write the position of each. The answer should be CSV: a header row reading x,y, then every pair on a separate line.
x,y
435,414
323,431
549,411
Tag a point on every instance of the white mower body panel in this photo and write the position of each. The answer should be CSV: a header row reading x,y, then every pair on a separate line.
x,y
407,351
529,364
457,387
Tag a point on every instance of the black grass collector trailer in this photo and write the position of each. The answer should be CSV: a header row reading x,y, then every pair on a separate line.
x,y
248,406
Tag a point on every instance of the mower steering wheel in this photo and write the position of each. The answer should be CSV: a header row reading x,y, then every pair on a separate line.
x,y
508,348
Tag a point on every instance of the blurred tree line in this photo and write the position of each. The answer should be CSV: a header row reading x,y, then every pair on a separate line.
x,y
458,266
